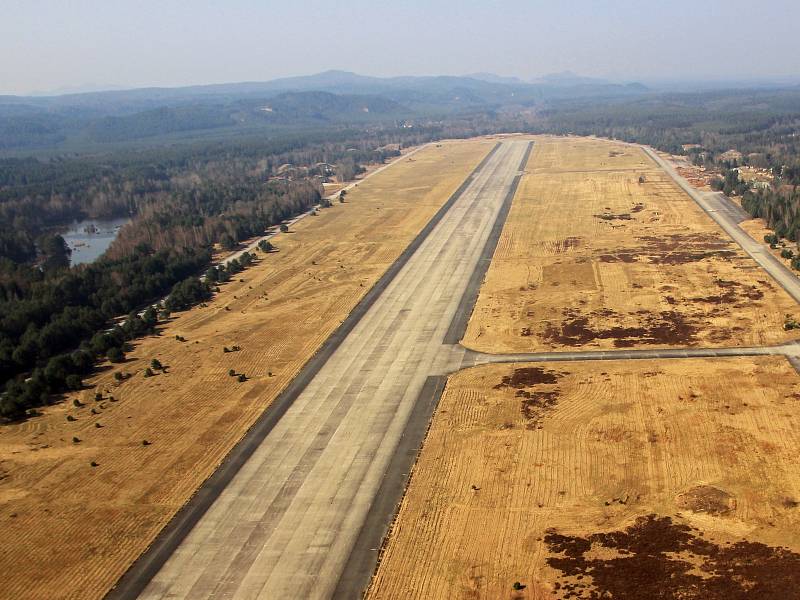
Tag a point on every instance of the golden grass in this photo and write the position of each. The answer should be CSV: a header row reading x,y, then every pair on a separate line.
x,y
591,258
511,462
757,229
69,529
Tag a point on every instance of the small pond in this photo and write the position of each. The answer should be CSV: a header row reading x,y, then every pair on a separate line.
x,y
90,238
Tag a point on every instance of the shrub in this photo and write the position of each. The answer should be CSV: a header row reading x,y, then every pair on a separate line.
x,y
115,355
242,378
231,372
156,364
148,372
284,228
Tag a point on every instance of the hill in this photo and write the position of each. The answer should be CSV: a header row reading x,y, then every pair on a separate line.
x,y
78,121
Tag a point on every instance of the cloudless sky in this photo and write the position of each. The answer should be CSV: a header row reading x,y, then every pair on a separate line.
x,y
51,44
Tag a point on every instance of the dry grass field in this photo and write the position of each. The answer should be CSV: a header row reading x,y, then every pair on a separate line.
x,y
591,258
629,480
70,529
757,229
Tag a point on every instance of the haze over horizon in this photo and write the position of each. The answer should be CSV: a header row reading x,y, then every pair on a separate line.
x,y
119,44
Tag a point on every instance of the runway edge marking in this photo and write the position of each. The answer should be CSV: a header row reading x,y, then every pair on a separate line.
x,y
141,572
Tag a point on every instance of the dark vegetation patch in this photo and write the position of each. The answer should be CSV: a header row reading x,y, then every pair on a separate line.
x,y
528,377
674,249
567,244
608,216
624,257
683,248
732,293
534,404
656,558
665,327
707,499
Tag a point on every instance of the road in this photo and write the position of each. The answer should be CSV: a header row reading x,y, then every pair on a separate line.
x,y
729,220
286,523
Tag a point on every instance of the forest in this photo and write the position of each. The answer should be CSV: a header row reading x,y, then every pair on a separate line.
x,y
57,322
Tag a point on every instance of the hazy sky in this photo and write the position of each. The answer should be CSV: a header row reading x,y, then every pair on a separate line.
x,y
47,45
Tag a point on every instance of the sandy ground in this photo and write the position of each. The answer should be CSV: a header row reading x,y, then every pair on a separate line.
x,y
71,529
625,480
591,258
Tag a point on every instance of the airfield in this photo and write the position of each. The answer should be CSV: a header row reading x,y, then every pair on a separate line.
x,y
566,367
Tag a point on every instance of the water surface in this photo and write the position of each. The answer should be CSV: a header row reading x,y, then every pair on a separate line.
x,y
90,238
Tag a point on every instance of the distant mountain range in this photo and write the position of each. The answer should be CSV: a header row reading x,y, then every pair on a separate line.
x,y
328,98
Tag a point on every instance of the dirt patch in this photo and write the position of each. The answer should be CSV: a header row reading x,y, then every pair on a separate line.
x,y
567,244
658,558
527,377
535,405
666,327
707,499
614,216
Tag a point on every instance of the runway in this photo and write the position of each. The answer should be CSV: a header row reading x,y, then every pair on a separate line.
x,y
285,524
301,506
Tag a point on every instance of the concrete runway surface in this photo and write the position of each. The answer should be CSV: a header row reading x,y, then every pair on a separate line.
x,y
285,525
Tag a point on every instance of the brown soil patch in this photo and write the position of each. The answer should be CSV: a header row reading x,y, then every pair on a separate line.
x,y
649,271
658,558
707,499
70,529
640,479
665,328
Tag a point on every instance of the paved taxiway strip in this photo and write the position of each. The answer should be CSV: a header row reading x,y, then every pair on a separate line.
x,y
285,524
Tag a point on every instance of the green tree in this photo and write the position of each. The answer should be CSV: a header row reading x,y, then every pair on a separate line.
x,y
115,355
